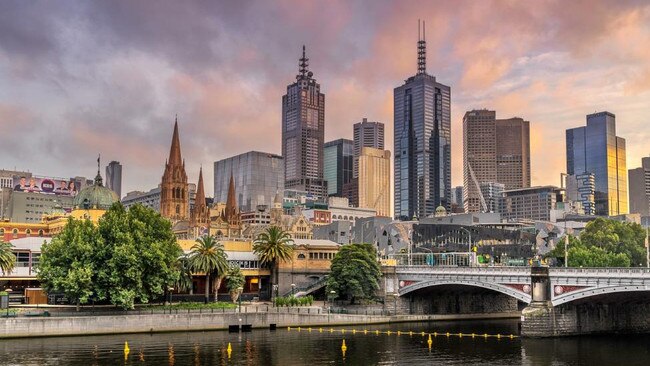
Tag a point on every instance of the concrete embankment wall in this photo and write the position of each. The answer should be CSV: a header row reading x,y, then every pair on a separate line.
x,y
145,323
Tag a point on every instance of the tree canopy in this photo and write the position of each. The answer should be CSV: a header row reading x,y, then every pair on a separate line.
x,y
7,257
208,256
273,246
355,272
130,256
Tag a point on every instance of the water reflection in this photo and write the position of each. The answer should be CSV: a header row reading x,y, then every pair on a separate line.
x,y
284,347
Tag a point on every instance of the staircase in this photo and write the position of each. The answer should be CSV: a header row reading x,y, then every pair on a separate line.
x,y
306,290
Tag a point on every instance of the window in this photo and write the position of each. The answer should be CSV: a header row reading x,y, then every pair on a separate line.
x,y
40,233
22,259
2,231
15,233
28,232
301,256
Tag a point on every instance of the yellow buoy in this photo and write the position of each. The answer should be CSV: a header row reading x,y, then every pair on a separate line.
x,y
473,335
435,334
320,330
399,333
229,350
299,329
460,335
288,328
331,330
342,331
365,331
377,332
354,331
447,334
485,335
512,336
344,348
423,334
410,333
126,350
498,336
388,332
309,329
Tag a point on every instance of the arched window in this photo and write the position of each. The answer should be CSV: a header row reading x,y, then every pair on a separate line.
x,y
28,232
301,256
2,231
40,233
15,233
178,209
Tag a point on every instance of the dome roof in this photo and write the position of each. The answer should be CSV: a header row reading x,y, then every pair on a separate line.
x,y
96,196
441,211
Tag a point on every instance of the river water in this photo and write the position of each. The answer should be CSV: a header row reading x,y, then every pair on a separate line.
x,y
293,347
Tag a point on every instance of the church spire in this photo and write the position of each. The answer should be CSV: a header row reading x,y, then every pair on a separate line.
x,y
200,191
231,202
175,150
422,49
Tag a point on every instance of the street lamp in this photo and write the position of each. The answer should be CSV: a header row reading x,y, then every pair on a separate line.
x,y
240,290
293,287
170,289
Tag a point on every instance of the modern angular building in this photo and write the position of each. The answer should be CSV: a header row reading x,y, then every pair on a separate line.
x,y
639,179
374,180
494,151
596,149
258,176
366,134
338,160
303,133
114,177
582,188
422,118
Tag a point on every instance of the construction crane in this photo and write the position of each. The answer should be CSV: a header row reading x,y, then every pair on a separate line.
x,y
478,187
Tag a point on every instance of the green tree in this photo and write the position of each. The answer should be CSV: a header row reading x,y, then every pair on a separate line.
x,y
67,263
272,247
616,237
209,257
137,256
235,279
354,273
7,257
184,282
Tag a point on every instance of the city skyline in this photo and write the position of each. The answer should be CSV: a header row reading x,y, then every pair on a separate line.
x,y
91,79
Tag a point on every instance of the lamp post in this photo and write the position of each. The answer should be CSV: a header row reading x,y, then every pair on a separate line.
x,y
170,289
240,290
330,297
293,287
469,245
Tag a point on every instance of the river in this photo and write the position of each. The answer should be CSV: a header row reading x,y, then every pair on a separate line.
x,y
293,347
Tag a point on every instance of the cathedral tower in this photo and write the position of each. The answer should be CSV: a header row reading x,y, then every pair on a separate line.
x,y
174,195
200,215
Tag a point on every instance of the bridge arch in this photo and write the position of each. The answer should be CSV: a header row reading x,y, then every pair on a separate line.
x,y
523,297
595,291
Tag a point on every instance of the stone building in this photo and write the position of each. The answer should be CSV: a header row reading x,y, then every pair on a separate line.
x,y
174,202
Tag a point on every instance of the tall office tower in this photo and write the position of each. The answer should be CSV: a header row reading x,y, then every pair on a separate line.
x,y
337,167
374,180
258,176
174,192
582,188
422,117
494,151
640,188
303,133
114,177
513,152
366,134
596,149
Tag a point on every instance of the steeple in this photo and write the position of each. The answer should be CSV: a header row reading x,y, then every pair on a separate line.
x,y
200,214
303,66
175,150
200,191
231,202
98,177
422,49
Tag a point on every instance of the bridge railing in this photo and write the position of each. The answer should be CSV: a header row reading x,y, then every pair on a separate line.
x,y
429,259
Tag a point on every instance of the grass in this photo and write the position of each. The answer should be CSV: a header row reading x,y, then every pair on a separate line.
x,y
195,305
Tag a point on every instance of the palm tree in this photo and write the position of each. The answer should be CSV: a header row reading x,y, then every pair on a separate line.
x,y
7,257
184,282
208,256
272,247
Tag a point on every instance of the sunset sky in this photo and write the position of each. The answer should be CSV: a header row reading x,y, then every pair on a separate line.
x,y
78,78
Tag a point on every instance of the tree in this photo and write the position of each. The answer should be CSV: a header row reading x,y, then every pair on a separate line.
x,y
354,273
272,247
208,256
184,282
235,279
67,263
7,257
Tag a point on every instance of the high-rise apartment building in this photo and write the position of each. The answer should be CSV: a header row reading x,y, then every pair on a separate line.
x,y
258,176
366,134
337,166
639,180
114,177
494,151
596,149
374,180
422,118
303,133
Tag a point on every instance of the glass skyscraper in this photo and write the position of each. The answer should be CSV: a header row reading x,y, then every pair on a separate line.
x,y
258,176
339,155
422,117
303,133
596,149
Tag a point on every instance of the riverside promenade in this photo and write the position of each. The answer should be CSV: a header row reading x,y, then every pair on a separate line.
x,y
201,320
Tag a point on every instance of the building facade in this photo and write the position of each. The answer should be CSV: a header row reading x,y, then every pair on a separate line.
x,y
303,133
639,179
582,188
366,134
114,177
338,159
493,195
513,152
596,149
534,203
374,180
174,195
422,125
150,199
258,176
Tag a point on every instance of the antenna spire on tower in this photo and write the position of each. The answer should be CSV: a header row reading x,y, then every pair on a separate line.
x,y
303,64
422,49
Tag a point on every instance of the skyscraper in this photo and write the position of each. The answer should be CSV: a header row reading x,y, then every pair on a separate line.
x,y
257,175
114,177
174,195
640,188
422,118
374,180
596,149
337,171
303,133
494,151
366,134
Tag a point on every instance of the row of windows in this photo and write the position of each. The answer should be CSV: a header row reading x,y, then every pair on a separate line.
x,y
15,232
318,256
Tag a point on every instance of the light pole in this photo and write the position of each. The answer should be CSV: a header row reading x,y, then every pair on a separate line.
x,y
293,287
330,297
469,245
170,289
240,290
566,242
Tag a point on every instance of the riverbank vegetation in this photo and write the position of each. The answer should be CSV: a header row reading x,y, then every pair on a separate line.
x,y
355,273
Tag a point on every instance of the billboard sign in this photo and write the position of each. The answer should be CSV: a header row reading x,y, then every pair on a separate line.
x,y
61,187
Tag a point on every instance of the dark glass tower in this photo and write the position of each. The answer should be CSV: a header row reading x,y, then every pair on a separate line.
x,y
422,116
303,133
339,155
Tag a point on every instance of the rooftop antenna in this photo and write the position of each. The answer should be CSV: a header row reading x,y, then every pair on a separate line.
x,y
303,64
422,49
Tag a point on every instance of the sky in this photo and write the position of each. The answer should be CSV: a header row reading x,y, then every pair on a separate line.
x,y
80,78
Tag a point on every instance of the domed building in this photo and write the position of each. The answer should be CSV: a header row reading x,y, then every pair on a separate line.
x,y
95,197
